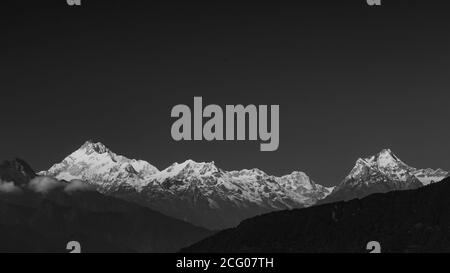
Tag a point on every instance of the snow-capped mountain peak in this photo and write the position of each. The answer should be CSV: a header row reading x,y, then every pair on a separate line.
x,y
94,147
385,162
383,172
297,179
387,159
187,168
95,162
254,172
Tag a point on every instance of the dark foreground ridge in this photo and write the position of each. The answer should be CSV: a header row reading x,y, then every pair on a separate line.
x,y
401,221
42,215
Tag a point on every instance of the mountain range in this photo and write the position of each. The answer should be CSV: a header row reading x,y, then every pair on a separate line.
x,y
208,196
199,193
111,203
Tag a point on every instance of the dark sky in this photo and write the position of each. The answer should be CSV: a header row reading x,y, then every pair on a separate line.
x,y
350,80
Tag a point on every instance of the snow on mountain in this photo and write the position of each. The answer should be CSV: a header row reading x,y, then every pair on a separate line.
x,y
382,173
430,176
94,162
197,192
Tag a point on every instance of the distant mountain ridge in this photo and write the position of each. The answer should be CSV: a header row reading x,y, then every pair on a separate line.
x,y
200,193
206,195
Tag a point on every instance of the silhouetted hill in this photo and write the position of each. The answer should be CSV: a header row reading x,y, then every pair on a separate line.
x,y
44,214
401,221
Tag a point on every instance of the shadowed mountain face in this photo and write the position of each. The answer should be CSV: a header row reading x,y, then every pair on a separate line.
x,y
401,221
44,214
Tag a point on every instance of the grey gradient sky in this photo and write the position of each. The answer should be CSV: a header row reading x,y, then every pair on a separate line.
x,y
350,80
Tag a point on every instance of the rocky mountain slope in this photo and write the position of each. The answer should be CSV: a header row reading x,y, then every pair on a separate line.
x,y
400,221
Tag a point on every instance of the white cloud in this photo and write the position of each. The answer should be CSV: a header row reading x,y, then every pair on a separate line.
x,y
9,187
78,185
44,184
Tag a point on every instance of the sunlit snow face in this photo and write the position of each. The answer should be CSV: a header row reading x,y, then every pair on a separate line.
x,y
387,167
